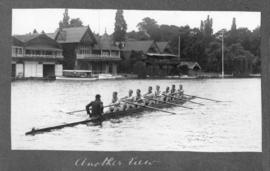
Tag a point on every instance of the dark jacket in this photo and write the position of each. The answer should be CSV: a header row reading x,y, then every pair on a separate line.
x,y
96,110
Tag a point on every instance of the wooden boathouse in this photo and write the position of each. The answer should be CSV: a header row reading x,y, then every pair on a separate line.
x,y
157,56
82,50
36,56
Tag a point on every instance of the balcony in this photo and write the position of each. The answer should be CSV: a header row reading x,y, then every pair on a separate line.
x,y
37,56
98,57
16,55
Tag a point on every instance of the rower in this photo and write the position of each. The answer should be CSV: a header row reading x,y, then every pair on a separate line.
x,y
180,91
96,108
173,92
158,93
138,98
129,98
115,103
166,92
149,95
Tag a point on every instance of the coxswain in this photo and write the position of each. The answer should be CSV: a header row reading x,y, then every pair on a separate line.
x,y
148,96
96,109
129,98
115,104
166,93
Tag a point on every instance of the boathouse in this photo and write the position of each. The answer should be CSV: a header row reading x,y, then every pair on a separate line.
x,y
135,48
189,67
157,56
164,47
83,50
36,56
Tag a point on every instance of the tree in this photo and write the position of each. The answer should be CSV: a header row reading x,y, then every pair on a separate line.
x,y
120,27
214,56
75,22
233,27
201,26
241,46
242,59
35,31
207,26
255,41
140,35
150,26
65,22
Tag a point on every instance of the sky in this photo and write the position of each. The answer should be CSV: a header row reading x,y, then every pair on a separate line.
x,y
26,20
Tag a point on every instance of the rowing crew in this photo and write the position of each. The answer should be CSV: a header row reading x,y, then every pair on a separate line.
x,y
130,101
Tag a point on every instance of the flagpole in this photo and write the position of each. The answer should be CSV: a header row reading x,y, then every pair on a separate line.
x,y
222,60
179,47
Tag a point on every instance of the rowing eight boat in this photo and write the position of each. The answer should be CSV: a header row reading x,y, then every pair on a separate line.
x,y
108,116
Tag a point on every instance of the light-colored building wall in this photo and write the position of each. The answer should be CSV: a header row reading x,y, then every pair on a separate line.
x,y
58,70
31,69
19,70
39,70
35,69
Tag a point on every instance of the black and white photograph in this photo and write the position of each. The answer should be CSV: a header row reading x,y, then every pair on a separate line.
x,y
135,80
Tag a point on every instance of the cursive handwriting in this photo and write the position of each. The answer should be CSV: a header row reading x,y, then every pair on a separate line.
x,y
113,162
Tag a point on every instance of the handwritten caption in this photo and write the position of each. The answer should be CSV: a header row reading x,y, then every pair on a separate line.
x,y
113,162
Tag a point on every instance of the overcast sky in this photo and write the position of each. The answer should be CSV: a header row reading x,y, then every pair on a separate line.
x,y
26,20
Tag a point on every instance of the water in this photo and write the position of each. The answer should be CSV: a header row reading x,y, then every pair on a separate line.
x,y
234,125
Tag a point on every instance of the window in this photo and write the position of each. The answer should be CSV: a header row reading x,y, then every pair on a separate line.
x,y
84,50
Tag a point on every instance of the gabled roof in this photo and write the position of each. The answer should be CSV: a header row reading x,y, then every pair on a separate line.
x,y
16,42
36,41
138,45
52,35
105,42
72,34
26,37
105,45
162,45
189,64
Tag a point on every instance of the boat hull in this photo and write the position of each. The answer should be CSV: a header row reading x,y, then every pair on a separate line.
x,y
108,116
118,114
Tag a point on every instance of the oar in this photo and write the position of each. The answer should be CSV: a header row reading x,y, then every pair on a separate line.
x,y
169,103
183,100
76,111
204,98
151,107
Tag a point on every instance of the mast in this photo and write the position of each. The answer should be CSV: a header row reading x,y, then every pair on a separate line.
x,y
222,57
179,47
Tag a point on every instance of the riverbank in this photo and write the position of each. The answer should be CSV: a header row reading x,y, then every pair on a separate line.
x,y
134,76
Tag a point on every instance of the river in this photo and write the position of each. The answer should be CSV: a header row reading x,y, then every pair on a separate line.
x,y
233,125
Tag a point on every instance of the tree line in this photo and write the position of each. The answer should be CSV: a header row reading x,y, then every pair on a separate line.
x,y
241,45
